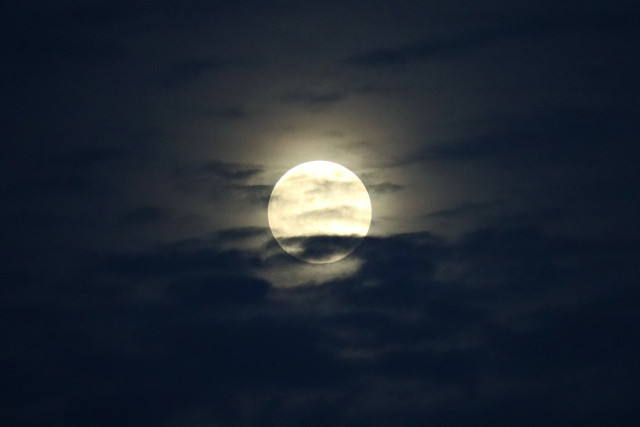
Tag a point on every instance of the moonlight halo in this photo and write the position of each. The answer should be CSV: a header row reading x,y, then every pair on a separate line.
x,y
319,212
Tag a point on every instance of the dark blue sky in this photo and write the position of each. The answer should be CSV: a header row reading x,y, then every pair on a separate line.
x,y
140,284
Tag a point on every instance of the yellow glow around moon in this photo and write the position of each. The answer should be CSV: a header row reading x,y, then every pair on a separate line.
x,y
319,211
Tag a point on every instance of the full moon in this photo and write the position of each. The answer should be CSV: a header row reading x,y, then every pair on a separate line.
x,y
319,212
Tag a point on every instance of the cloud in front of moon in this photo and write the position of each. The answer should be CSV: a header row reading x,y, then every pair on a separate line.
x,y
319,211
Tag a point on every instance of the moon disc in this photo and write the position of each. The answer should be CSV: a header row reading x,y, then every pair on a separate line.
x,y
319,212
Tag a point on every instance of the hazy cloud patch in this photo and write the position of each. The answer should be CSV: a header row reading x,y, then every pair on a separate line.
x,y
228,113
218,180
317,100
384,188
231,171
570,134
312,99
465,209
242,233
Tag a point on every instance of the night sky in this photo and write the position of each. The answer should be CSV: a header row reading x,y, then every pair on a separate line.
x,y
140,284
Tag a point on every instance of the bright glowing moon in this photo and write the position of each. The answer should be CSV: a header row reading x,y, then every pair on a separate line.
x,y
319,212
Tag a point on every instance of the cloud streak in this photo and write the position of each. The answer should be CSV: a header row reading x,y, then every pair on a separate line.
x,y
505,30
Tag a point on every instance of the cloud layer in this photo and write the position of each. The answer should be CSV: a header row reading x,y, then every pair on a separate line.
x,y
425,330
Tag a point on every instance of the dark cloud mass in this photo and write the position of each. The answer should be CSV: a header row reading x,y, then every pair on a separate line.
x,y
140,284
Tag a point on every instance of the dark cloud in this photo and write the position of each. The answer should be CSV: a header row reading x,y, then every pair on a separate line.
x,y
313,99
321,248
376,89
230,171
319,100
465,209
456,331
574,135
232,113
256,194
223,180
241,233
482,323
501,28
384,187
